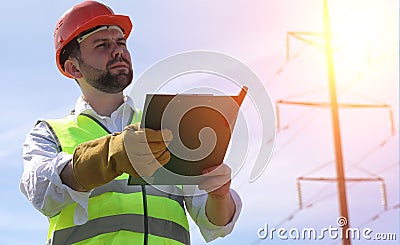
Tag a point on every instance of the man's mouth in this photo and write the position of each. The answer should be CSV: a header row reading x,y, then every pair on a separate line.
x,y
120,65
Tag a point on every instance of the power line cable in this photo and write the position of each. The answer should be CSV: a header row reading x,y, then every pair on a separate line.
x,y
313,200
363,72
295,120
299,131
310,91
378,215
374,149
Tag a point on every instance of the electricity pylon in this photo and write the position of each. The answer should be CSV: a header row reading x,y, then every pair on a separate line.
x,y
324,41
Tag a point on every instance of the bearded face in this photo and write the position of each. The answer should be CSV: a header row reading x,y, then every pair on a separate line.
x,y
111,80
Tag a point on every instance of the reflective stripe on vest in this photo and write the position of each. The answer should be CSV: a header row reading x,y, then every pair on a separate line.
x,y
115,210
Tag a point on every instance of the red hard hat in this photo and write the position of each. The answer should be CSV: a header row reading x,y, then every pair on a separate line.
x,y
82,17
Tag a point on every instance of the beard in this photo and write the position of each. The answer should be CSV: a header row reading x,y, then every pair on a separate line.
x,y
104,80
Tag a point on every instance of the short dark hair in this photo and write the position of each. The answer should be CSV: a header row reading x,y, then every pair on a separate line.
x,y
71,49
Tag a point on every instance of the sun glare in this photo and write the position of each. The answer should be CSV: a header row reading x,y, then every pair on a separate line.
x,y
363,33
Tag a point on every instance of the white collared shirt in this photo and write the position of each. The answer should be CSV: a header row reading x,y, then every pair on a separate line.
x,y
43,163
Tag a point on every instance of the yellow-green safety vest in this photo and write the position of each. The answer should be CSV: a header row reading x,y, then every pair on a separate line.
x,y
117,213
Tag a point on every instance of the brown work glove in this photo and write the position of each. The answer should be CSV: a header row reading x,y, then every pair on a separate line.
x,y
138,152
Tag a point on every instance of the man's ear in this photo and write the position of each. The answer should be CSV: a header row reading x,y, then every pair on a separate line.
x,y
72,68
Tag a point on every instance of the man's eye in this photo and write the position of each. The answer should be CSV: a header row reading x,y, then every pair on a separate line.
x,y
100,45
122,44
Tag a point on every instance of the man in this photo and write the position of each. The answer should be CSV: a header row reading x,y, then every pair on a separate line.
x,y
76,168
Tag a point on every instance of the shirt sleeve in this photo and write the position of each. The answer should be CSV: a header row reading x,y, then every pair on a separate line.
x,y
196,206
41,182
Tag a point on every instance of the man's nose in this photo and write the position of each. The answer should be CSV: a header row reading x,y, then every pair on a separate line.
x,y
118,51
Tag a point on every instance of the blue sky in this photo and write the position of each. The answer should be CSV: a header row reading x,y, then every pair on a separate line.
x,y
254,33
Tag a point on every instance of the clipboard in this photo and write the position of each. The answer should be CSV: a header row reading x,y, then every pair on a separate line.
x,y
201,124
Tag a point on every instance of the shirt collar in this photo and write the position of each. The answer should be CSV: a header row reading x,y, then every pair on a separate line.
x,y
81,106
